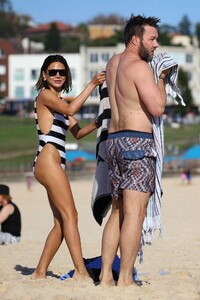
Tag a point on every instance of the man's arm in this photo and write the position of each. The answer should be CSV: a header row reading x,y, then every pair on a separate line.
x,y
152,95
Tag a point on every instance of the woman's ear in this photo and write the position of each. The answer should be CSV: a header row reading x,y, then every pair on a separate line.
x,y
44,76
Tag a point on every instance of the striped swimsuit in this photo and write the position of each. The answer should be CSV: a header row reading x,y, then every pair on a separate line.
x,y
55,137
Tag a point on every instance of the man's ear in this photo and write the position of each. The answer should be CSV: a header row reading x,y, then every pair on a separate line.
x,y
135,40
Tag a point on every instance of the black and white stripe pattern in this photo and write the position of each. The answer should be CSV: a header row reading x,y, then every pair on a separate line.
x,y
101,192
56,135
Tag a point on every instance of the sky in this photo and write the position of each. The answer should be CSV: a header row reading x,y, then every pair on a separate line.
x,y
81,11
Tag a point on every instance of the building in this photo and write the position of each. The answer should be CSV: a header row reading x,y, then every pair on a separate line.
x,y
24,70
6,48
99,31
43,29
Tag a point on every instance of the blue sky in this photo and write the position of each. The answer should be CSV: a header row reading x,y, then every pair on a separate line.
x,y
77,11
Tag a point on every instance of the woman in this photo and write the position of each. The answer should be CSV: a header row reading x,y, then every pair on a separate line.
x,y
10,218
53,117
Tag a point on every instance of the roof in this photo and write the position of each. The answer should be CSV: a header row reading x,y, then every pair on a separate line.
x,y
62,27
192,153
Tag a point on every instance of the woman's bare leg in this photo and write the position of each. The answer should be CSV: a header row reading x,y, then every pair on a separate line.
x,y
63,200
52,244
50,174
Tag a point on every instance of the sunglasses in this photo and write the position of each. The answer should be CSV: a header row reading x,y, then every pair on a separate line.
x,y
53,72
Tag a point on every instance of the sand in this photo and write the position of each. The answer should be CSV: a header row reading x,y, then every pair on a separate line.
x,y
171,268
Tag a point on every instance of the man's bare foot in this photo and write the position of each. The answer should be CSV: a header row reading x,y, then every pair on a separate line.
x,y
110,282
38,275
106,279
124,284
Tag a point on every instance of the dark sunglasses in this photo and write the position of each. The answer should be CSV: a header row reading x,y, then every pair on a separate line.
x,y
53,72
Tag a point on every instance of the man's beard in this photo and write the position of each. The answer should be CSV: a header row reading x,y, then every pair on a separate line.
x,y
144,54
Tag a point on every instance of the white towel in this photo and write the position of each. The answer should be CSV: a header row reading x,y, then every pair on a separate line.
x,y
152,220
101,199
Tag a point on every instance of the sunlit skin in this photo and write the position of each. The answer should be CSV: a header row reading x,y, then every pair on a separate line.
x,y
134,97
50,174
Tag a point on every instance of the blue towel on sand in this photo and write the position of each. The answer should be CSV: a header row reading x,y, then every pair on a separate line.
x,y
93,266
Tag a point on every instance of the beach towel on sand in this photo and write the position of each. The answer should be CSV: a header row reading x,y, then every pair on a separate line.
x,y
93,266
101,193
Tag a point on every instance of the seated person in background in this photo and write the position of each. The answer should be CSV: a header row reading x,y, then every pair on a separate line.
x,y
10,218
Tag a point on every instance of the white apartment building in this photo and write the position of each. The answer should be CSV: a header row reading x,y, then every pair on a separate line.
x,y
24,69
94,60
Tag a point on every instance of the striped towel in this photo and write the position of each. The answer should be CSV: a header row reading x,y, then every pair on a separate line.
x,y
101,199
152,220
101,192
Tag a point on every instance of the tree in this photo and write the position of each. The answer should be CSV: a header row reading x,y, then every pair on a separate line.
x,y
83,32
106,20
5,6
11,24
184,26
183,84
165,31
70,44
198,33
52,40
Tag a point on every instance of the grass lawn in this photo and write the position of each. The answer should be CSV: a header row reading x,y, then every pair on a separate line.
x,y
19,140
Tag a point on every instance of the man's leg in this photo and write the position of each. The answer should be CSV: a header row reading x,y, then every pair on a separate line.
x,y
134,209
110,242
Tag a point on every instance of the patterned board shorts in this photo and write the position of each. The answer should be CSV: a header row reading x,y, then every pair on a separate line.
x,y
7,238
131,159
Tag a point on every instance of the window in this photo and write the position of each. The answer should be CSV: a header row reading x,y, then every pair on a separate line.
x,y
189,58
2,86
2,70
93,73
73,73
19,92
73,92
33,92
93,57
105,57
2,52
35,74
19,74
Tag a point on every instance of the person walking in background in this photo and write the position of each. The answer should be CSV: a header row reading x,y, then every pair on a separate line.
x,y
54,116
10,218
134,98
188,175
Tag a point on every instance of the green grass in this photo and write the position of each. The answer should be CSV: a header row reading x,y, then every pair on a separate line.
x,y
19,142
182,138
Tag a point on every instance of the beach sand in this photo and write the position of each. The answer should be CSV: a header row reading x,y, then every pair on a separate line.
x,y
171,267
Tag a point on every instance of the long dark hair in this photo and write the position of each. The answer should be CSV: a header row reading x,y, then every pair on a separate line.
x,y
49,60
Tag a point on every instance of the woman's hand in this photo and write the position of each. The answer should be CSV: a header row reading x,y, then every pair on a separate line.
x,y
99,78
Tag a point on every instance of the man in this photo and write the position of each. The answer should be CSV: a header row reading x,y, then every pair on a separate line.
x,y
134,98
10,218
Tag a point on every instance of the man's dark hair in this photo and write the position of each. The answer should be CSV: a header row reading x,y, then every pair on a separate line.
x,y
135,26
